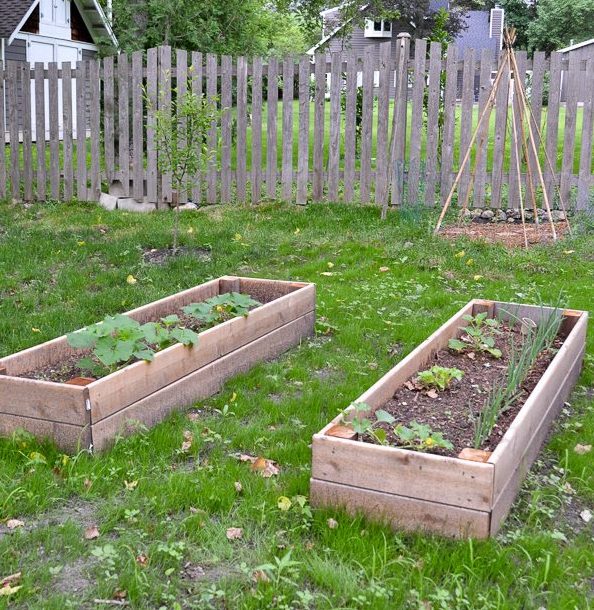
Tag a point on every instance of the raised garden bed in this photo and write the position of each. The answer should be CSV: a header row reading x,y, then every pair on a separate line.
x,y
90,415
452,490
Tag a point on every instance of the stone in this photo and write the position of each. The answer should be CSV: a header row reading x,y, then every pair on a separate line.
x,y
501,215
109,202
488,214
131,205
511,220
558,215
476,212
188,207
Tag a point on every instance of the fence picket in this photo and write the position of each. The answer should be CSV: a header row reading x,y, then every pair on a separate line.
x,y
40,129
303,153
466,121
95,125
500,138
383,110
514,184
108,119
226,129
81,131
417,121
67,129
123,124
287,138
350,127
26,131
553,123
197,77
335,122
3,130
211,95
433,121
570,126
242,109
585,171
449,121
319,120
271,129
481,147
367,125
256,129
165,87
54,134
537,86
181,73
13,124
152,93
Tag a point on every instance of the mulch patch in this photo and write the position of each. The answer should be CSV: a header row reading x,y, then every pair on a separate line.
x,y
161,256
507,234
452,412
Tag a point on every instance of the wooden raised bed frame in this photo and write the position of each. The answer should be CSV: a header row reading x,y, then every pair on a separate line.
x,y
90,417
450,496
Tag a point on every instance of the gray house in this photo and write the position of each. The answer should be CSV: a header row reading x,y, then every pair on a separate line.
x,y
53,30
582,52
484,30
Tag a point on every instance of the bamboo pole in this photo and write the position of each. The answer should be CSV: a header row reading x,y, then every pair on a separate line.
x,y
487,108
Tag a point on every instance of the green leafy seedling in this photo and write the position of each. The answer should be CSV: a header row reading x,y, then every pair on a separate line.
x,y
221,307
420,437
439,377
478,334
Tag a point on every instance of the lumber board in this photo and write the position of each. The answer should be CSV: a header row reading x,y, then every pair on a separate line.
x,y
423,476
204,382
401,512
134,382
68,437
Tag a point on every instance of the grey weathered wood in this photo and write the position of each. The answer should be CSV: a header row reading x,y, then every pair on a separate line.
x,y
257,129
449,121
287,137
432,122
367,125
537,85
197,78
137,127
54,127
95,124
226,128
68,126
514,184
12,106
303,153
481,146
501,118
417,121
573,77
181,72
466,121
123,124
271,128
40,130
242,110
585,169
399,125
26,131
109,118
553,122
3,131
211,95
383,110
152,93
319,121
165,86
350,127
335,123
81,131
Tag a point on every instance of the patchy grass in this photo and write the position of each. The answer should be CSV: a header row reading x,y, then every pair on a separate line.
x,y
163,515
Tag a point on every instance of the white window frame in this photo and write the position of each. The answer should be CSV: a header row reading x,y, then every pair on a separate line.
x,y
383,32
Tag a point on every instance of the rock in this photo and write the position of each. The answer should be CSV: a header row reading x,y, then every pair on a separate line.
x,y
558,215
488,214
131,205
511,220
476,212
109,202
501,215
188,207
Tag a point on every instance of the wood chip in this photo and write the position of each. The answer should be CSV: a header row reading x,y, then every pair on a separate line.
x,y
474,455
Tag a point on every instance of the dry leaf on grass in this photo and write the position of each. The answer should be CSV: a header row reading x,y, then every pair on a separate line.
x,y
432,394
260,576
8,590
582,449
266,468
188,439
384,269
11,579
142,560
238,487
234,533
332,523
92,532
130,485
12,524
586,516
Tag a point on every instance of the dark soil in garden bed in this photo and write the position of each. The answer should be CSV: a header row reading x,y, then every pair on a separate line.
x,y
509,235
68,369
453,410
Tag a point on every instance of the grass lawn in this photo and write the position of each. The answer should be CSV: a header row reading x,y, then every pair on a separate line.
x,y
162,514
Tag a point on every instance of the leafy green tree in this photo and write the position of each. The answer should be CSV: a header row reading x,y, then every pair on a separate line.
x,y
559,22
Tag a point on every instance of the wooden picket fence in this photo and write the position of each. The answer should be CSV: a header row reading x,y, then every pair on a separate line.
x,y
386,127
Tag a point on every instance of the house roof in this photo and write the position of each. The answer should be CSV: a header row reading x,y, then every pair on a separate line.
x,y
573,47
14,13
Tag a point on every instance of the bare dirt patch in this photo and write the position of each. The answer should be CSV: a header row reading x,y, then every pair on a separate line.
x,y
509,235
161,256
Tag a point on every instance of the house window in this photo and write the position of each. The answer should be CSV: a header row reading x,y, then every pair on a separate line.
x,y
378,29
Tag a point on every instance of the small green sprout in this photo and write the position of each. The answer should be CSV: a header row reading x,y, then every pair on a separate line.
x,y
439,377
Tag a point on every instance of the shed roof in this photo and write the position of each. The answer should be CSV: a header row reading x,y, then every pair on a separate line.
x,y
579,45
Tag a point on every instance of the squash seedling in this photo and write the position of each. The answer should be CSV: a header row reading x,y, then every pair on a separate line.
x,y
478,336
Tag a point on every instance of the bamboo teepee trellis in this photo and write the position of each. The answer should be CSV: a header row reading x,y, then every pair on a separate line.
x,y
525,131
